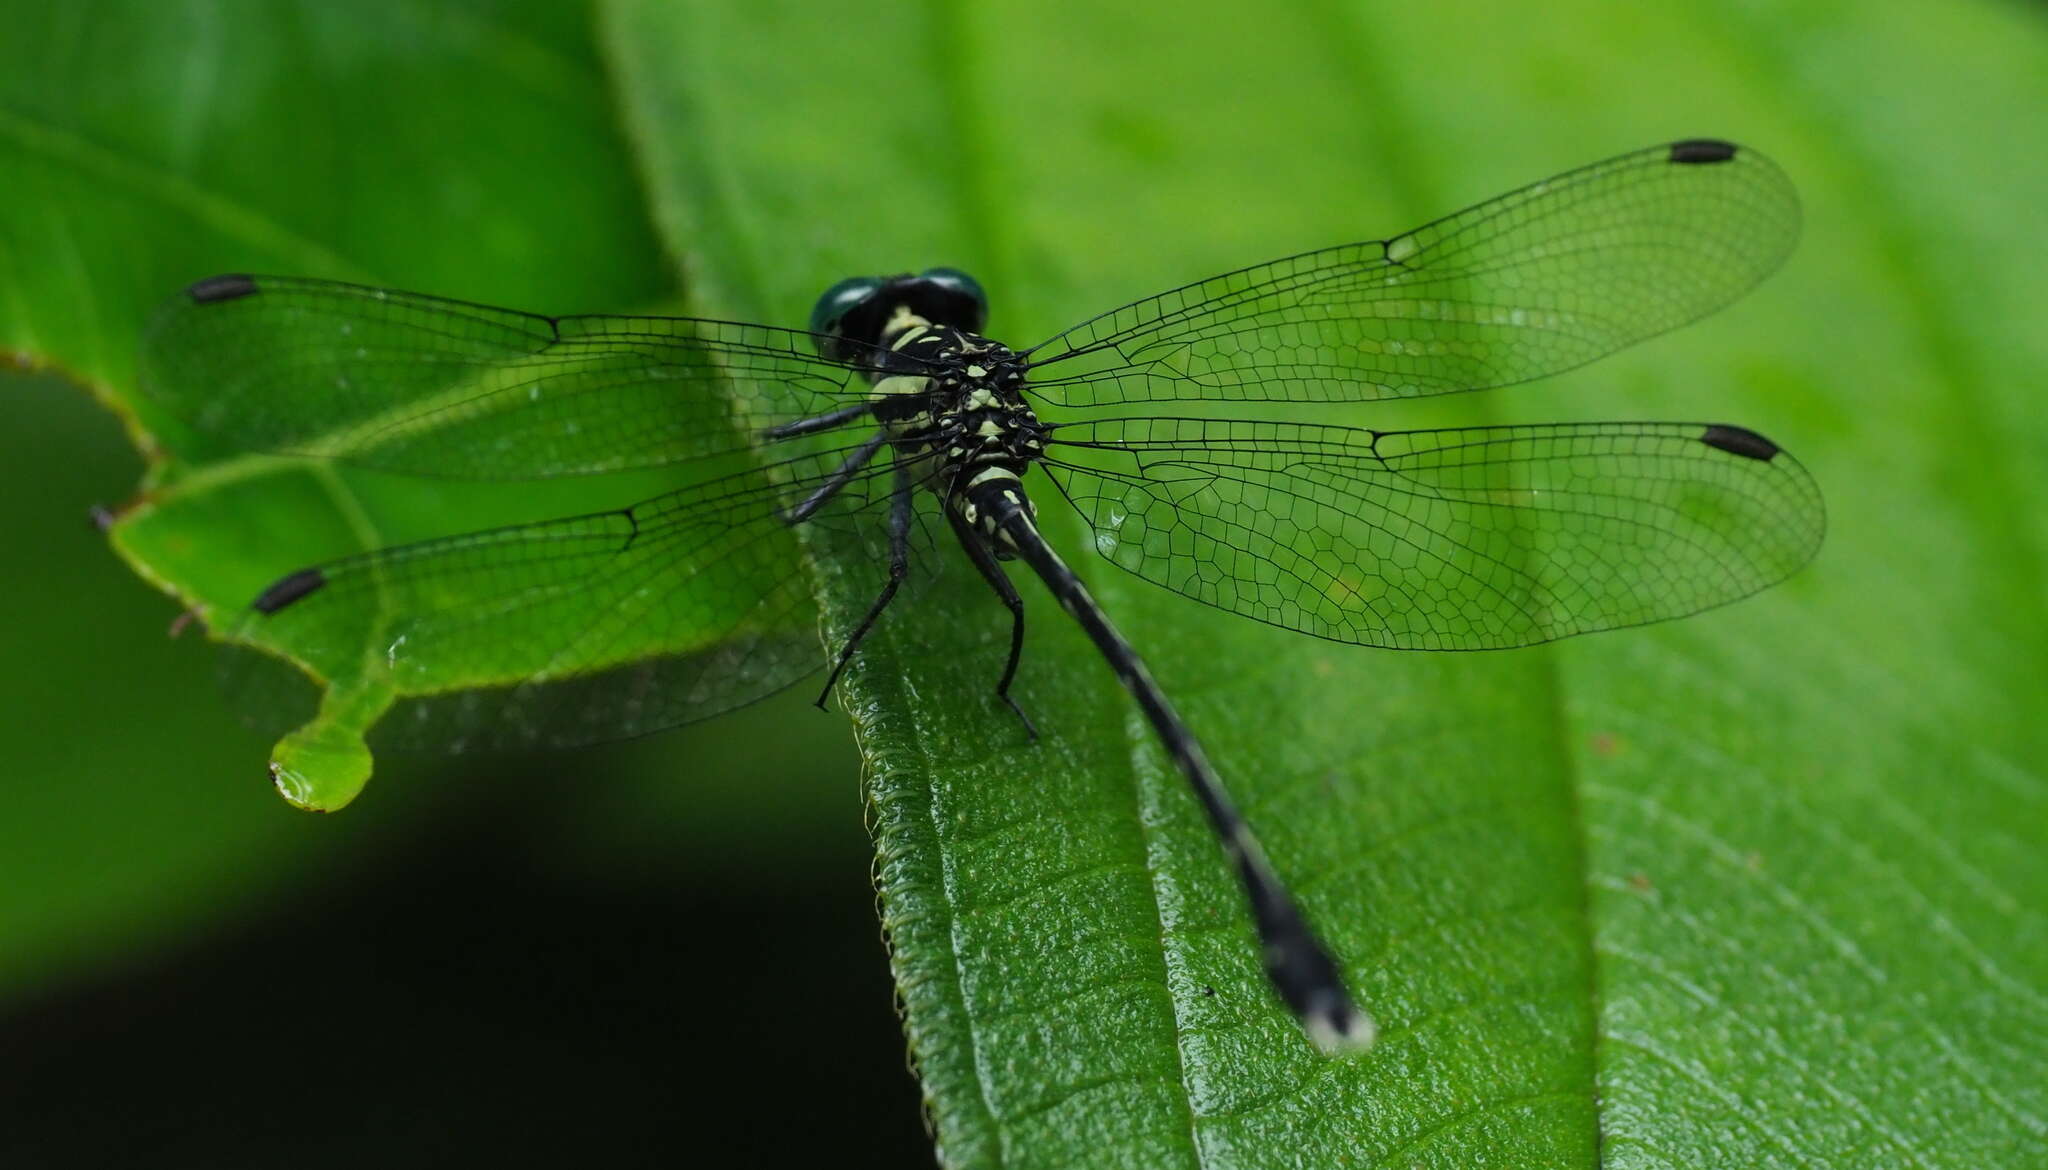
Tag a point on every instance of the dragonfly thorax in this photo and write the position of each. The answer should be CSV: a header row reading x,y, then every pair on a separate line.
x,y
964,414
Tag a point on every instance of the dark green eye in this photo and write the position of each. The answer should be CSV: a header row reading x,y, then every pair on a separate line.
x,y
960,284
840,299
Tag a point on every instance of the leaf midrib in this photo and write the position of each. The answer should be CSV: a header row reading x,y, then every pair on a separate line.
x,y
871,698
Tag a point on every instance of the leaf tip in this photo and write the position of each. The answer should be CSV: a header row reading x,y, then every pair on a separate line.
x,y
328,788
324,765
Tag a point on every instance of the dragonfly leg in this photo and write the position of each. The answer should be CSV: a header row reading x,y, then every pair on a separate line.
x,y
991,572
816,423
902,509
838,479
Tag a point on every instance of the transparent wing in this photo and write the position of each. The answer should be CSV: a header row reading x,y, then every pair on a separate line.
x,y
571,631
437,387
1460,539
1531,283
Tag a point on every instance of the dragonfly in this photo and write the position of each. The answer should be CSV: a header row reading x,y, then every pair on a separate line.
x,y
893,403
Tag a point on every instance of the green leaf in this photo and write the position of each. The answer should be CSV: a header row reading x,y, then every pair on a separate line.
x,y
1675,896
1760,888
352,145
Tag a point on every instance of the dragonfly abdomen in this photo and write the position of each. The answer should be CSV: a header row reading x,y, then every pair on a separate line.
x,y
1296,961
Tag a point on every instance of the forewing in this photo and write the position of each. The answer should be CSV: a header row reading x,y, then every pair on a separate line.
x,y
1460,539
428,386
1531,283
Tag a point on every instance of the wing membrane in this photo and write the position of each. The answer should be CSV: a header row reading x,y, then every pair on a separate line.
x,y
428,386
570,631
1528,284
1459,539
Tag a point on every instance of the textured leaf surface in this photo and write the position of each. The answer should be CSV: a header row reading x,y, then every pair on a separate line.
x,y
1658,898
1762,888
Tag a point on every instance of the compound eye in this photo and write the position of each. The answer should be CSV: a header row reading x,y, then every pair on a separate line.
x,y
964,286
841,299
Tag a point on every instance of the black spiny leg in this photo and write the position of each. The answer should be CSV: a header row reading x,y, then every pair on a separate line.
x,y
991,572
816,423
840,477
902,504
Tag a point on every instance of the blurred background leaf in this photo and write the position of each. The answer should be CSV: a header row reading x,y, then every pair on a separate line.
x,y
1764,887
198,974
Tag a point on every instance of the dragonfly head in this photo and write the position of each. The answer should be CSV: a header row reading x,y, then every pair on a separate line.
x,y
858,308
